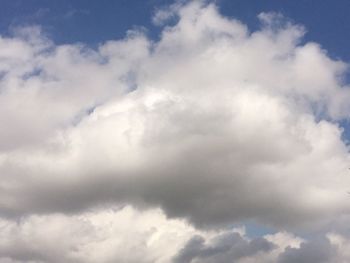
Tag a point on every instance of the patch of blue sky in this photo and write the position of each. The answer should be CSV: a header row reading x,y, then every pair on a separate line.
x,y
254,230
92,22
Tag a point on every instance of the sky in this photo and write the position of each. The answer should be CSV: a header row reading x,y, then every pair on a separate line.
x,y
94,22
174,131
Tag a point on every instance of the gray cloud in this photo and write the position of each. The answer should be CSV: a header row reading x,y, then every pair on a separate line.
x,y
319,250
224,249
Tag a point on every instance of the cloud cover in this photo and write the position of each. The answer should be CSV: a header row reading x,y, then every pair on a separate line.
x,y
212,124
125,234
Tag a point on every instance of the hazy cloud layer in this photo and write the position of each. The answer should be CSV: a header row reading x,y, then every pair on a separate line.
x,y
212,124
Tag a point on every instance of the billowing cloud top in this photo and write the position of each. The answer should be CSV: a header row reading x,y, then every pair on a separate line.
x,y
212,124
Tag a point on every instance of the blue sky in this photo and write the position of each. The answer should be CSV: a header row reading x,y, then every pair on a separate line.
x,y
92,22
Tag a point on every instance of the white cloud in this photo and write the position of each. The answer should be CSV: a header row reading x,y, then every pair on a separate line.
x,y
108,235
212,123
127,235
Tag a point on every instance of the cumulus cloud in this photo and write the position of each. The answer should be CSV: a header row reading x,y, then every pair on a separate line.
x,y
225,248
213,124
125,234
122,235
315,251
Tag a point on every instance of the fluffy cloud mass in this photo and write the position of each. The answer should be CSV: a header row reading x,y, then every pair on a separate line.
x,y
209,126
